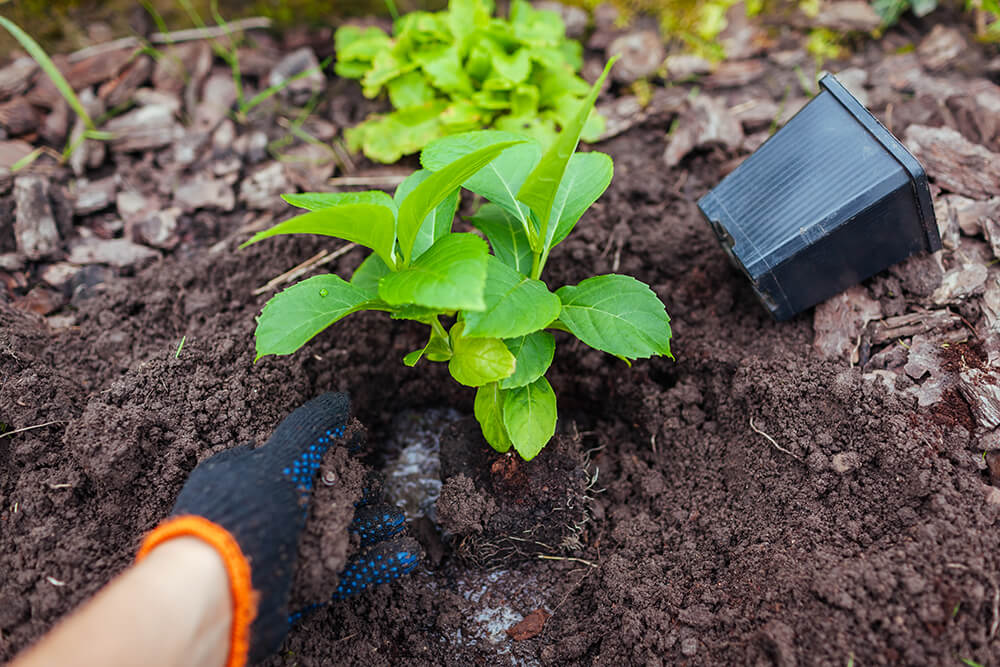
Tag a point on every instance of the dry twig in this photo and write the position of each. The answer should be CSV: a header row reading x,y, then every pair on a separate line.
x,y
317,260
31,428
773,441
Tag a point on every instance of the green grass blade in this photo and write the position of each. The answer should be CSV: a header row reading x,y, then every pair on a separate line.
x,y
38,54
270,91
26,161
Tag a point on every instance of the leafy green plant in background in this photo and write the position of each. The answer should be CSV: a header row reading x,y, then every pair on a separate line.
x,y
500,312
891,10
462,69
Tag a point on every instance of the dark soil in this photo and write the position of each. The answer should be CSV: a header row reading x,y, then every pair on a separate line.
x,y
499,510
753,504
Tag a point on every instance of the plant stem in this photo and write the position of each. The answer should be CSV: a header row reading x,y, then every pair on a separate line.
x,y
438,328
536,269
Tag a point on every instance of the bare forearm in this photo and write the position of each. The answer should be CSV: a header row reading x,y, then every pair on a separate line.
x,y
171,609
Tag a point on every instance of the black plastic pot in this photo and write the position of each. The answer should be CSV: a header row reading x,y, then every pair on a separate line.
x,y
831,199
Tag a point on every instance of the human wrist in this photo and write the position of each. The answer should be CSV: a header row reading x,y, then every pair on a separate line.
x,y
204,544
188,580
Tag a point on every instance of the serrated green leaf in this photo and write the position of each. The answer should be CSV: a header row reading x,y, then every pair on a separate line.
x,y
387,138
507,237
410,90
367,276
444,70
386,66
370,225
451,275
488,408
618,315
478,361
317,201
534,354
295,315
587,177
529,415
438,222
356,48
499,180
540,188
436,188
515,304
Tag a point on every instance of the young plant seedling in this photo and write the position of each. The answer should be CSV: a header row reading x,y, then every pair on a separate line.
x,y
500,313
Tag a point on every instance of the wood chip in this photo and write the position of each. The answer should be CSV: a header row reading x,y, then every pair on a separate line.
x,y
954,162
18,117
734,73
16,77
80,75
119,90
911,324
848,15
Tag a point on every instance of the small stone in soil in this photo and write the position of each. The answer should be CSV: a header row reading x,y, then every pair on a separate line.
x,y
531,626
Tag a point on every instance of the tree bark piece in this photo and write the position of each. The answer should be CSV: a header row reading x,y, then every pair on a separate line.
x,y
912,324
35,227
954,162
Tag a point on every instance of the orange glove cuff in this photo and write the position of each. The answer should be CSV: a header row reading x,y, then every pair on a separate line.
x,y
237,568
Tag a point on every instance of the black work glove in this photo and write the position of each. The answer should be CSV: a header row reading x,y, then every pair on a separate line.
x,y
252,504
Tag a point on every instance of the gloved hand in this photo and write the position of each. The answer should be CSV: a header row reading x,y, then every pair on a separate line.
x,y
251,506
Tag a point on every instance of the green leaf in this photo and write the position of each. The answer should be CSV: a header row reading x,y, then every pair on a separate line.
x,y
534,354
387,138
540,189
478,361
507,237
370,225
618,315
436,349
367,276
437,223
295,315
415,313
515,304
451,275
499,180
529,415
436,188
410,90
488,409
317,201
445,72
587,177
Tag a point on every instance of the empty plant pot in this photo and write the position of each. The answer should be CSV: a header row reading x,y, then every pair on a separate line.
x,y
831,199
